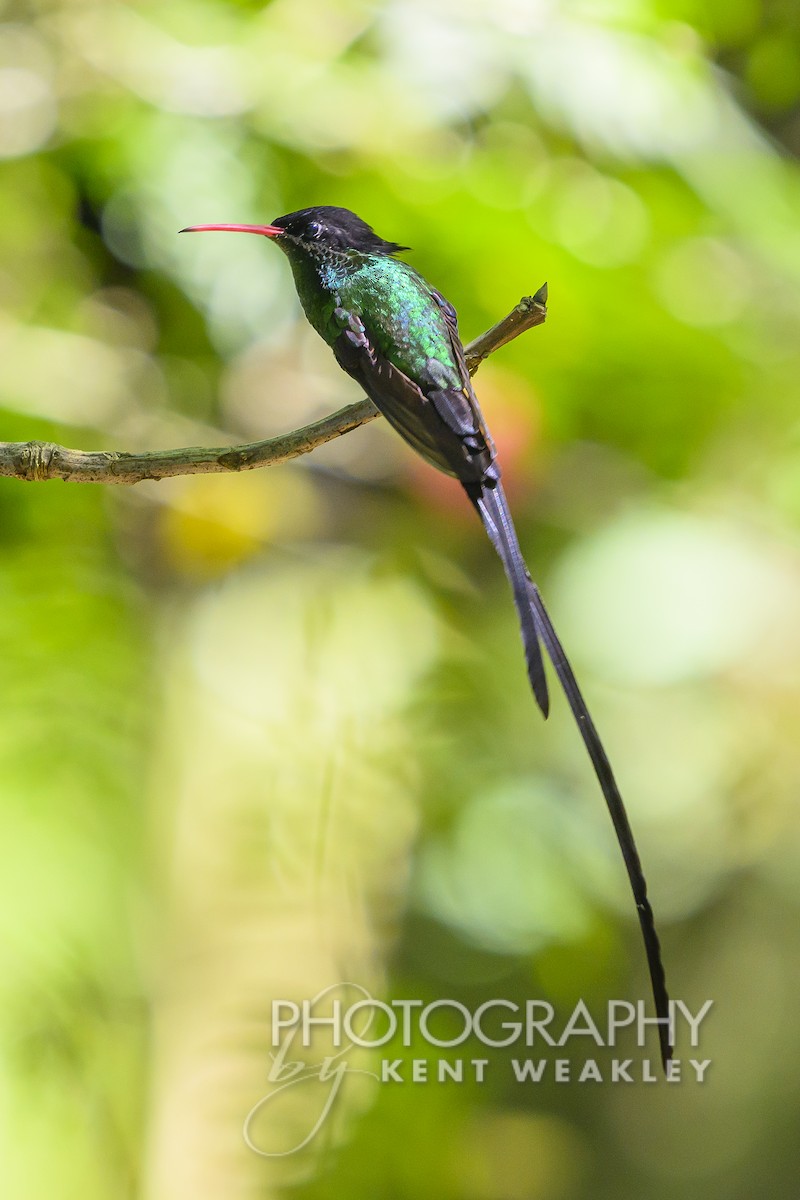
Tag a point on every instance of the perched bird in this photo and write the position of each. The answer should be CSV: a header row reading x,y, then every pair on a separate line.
x,y
398,338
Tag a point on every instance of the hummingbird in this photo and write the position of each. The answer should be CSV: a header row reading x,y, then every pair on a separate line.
x,y
397,337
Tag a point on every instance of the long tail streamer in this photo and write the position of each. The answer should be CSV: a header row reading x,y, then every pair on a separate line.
x,y
493,509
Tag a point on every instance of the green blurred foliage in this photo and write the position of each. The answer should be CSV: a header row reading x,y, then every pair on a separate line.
x,y
267,732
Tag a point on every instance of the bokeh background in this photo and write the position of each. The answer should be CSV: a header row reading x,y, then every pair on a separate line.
x,y
265,732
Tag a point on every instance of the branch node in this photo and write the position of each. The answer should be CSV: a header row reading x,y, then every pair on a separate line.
x,y
36,460
234,460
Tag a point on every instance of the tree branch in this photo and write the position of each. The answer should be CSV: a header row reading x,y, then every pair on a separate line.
x,y
46,460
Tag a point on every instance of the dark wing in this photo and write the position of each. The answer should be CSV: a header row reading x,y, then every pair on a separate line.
x,y
443,424
451,321
461,408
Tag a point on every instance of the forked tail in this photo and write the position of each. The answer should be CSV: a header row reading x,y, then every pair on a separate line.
x,y
490,501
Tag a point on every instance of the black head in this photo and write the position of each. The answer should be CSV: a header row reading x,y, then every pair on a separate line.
x,y
334,228
316,231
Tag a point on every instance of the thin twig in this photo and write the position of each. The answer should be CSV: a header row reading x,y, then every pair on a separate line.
x,y
45,460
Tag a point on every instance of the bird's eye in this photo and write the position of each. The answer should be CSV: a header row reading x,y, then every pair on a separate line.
x,y
314,229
